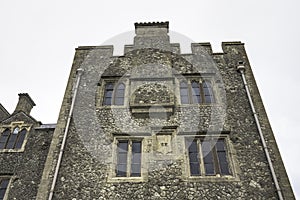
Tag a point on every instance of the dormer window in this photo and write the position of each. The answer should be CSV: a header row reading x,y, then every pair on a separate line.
x,y
12,139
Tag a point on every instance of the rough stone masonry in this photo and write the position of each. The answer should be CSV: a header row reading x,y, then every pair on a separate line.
x,y
158,124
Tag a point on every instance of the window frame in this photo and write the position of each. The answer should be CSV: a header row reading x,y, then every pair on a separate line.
x,y
112,177
231,163
5,197
114,96
202,91
17,145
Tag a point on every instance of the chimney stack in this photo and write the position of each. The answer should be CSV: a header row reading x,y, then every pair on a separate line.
x,y
25,103
152,35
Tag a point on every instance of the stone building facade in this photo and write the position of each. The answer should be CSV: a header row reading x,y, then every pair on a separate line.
x,y
154,124
24,145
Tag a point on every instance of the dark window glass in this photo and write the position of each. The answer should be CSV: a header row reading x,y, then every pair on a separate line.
x,y
119,101
107,101
193,156
135,170
209,169
122,158
108,92
121,170
3,186
123,146
196,95
109,86
11,141
184,93
3,138
136,147
136,159
184,99
222,158
124,153
194,159
208,159
119,95
209,164
20,139
208,93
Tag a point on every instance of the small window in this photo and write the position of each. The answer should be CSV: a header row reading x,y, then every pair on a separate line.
x,y
4,181
195,92
208,157
12,140
128,158
113,95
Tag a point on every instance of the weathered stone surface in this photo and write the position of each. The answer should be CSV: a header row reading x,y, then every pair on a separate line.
x,y
25,166
151,70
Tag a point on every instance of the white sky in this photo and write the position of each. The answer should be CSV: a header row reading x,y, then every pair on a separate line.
x,y
38,38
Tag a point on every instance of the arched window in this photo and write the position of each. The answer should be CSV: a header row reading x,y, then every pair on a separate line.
x,y
184,92
196,93
108,93
12,140
208,92
119,94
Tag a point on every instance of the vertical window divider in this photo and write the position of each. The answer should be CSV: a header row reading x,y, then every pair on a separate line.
x,y
129,158
202,92
199,146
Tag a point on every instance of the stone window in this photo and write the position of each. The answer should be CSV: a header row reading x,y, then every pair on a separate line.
x,y
207,157
113,94
129,155
12,139
128,160
196,92
4,183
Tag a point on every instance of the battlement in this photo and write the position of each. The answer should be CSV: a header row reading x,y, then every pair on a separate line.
x,y
156,35
196,48
152,25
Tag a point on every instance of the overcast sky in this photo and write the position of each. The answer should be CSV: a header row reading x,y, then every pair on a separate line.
x,y
38,38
